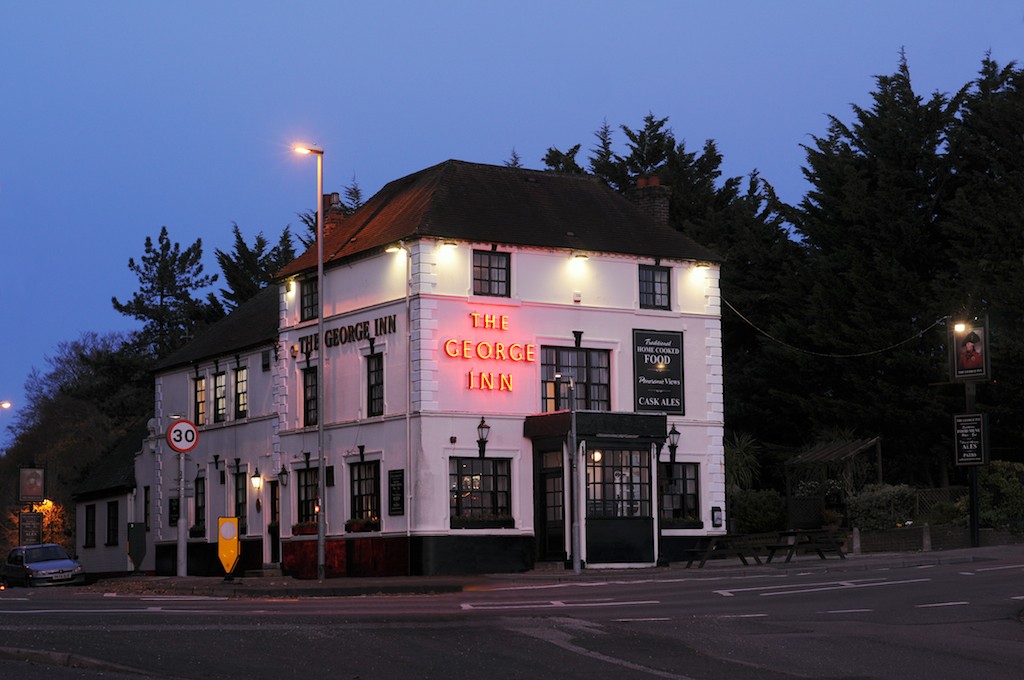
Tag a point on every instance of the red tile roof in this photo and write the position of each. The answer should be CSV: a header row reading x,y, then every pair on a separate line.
x,y
507,206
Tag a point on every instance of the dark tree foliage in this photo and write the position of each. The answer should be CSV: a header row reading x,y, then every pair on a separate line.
x,y
514,160
875,247
168,278
984,217
563,161
247,269
74,414
740,219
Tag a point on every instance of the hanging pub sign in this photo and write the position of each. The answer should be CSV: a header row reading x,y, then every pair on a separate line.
x,y
31,484
970,442
969,352
658,371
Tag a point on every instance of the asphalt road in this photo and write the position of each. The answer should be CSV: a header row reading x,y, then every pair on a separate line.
x,y
936,621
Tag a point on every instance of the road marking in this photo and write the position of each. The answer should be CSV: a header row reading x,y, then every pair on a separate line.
x,y
942,604
555,604
847,611
817,587
653,618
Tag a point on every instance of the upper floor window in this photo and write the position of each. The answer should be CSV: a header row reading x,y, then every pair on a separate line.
x,y
309,300
491,273
310,410
655,289
241,392
590,372
375,384
220,397
199,400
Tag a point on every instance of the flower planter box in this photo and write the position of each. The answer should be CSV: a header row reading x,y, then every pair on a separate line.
x,y
354,526
304,529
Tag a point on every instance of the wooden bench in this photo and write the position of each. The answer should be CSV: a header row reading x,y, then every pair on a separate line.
x,y
819,541
724,544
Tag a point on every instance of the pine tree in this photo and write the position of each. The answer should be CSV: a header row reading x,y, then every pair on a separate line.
x,y
985,220
875,248
168,277
247,270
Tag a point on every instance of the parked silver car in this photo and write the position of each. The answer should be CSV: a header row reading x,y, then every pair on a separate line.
x,y
40,565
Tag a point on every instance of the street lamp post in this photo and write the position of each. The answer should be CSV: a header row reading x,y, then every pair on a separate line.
x,y
321,519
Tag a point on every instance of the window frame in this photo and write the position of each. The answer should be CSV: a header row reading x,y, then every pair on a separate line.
x,y
309,299
113,523
199,506
492,273
364,496
375,384
199,400
89,533
220,396
650,295
240,481
679,494
307,482
590,372
310,395
241,392
484,503
605,486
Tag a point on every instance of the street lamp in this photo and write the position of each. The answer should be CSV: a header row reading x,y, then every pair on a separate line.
x,y
321,518
673,442
5,404
257,483
483,430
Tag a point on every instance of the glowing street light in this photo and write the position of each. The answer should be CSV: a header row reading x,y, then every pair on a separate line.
x,y
5,404
321,517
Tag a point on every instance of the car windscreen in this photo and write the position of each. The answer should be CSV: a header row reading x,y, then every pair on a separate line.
x,y
47,552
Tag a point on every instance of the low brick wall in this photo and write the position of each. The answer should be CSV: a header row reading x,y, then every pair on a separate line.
x,y
924,537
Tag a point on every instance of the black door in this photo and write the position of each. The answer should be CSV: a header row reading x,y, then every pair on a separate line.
x,y
549,513
274,529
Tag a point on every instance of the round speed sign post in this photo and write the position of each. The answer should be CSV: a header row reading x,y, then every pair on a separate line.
x,y
182,436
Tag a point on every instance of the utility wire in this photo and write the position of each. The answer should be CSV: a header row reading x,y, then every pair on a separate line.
x,y
825,354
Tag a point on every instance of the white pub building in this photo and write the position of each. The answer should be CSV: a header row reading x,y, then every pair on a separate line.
x,y
518,367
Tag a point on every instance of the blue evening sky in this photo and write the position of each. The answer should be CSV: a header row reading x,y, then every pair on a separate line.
x,y
118,117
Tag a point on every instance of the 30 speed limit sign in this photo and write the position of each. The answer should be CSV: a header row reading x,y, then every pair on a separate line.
x,y
182,436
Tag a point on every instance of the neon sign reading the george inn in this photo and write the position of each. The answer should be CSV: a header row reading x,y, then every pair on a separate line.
x,y
486,350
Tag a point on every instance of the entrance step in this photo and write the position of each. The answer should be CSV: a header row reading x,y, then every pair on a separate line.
x,y
265,571
549,566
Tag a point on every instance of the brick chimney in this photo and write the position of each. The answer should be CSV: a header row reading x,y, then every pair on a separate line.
x,y
651,197
334,211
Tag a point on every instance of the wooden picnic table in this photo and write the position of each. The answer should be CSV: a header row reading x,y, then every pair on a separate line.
x,y
820,541
737,545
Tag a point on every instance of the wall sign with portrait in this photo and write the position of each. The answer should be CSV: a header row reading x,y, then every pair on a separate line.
x,y
969,353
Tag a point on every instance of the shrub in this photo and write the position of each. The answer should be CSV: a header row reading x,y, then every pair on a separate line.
x,y
756,512
1001,492
882,506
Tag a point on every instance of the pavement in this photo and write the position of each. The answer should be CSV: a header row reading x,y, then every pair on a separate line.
x,y
286,587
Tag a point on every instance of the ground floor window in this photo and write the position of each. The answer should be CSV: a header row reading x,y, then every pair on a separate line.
x,y
365,491
481,492
90,526
618,483
679,485
307,483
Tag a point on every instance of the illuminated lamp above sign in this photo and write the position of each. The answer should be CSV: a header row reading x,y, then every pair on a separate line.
x,y
498,351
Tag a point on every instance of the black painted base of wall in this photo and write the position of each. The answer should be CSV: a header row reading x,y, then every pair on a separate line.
x,y
440,555
202,558
674,548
